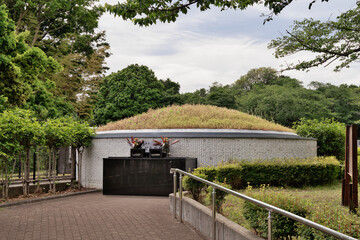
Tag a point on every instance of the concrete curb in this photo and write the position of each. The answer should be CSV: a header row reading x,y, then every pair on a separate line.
x,y
34,200
199,217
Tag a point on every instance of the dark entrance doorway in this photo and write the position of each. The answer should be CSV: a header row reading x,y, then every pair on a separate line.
x,y
142,176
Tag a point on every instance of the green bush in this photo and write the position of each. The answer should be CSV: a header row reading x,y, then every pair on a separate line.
x,y
332,217
330,136
275,172
231,174
209,172
283,227
219,195
193,186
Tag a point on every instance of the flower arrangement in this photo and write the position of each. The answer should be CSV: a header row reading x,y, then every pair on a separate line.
x,y
165,144
135,142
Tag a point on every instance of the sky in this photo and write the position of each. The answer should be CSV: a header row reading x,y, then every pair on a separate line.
x,y
201,48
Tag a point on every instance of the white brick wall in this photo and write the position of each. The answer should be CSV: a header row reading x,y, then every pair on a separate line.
x,y
208,151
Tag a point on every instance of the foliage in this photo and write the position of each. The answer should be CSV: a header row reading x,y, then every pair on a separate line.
x,y
20,65
131,91
330,136
343,101
193,186
321,203
20,131
284,105
219,195
145,13
276,172
65,30
331,216
194,116
283,227
333,41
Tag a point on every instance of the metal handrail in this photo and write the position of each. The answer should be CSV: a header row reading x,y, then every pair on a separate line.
x,y
270,208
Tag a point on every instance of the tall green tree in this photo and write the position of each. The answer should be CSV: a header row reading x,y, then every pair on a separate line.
x,y
20,65
145,13
133,90
65,30
333,41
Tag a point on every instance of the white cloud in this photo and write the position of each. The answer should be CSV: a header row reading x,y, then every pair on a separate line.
x,y
204,47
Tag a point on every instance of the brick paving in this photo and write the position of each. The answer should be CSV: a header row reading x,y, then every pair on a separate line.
x,y
94,216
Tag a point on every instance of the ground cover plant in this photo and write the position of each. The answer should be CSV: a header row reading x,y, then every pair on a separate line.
x,y
194,116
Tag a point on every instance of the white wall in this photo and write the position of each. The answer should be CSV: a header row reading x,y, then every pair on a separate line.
x,y
208,151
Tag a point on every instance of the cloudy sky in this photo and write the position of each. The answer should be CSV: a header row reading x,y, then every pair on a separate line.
x,y
218,46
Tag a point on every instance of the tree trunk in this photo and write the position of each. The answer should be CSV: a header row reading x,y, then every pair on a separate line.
x,y
38,188
27,172
50,169
73,166
79,167
6,180
54,170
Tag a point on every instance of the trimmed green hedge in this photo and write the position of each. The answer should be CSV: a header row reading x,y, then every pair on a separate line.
x,y
275,172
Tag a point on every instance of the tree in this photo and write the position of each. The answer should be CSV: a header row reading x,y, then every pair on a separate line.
x,y
262,75
65,30
344,101
172,93
284,105
20,65
57,133
330,135
82,139
332,41
27,133
221,96
145,13
9,147
133,90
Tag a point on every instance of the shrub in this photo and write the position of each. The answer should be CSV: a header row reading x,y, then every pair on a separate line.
x,y
330,136
283,227
209,172
276,172
232,174
332,217
194,186
219,195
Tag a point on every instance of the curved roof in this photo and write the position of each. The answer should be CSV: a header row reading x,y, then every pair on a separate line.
x,y
194,117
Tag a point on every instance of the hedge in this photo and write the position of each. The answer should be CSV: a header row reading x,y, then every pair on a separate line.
x,y
275,172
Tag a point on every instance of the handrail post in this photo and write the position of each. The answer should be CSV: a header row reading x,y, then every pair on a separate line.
x,y
269,226
174,201
214,213
180,196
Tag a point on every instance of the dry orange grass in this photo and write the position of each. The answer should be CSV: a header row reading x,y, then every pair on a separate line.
x,y
194,116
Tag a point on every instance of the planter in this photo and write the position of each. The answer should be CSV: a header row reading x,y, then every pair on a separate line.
x,y
137,153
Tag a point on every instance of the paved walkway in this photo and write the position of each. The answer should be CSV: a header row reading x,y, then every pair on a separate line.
x,y
94,216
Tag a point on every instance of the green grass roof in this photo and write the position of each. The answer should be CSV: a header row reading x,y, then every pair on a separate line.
x,y
194,116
